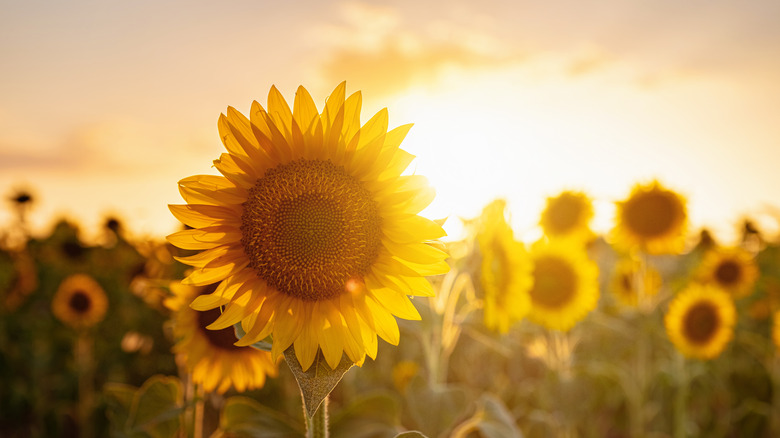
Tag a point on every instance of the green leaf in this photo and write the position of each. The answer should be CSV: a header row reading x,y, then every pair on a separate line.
x,y
260,345
410,434
371,416
119,399
434,409
244,417
318,381
157,407
496,421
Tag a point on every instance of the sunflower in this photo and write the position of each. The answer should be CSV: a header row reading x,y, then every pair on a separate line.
x,y
776,329
567,215
505,271
732,269
312,231
565,285
626,276
700,321
653,219
79,302
210,355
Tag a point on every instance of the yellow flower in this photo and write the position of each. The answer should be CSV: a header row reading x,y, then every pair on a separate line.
x,y
79,302
653,219
776,329
565,285
211,357
567,215
505,273
700,321
623,282
732,269
312,232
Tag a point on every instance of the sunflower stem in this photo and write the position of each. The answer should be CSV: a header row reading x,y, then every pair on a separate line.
x,y
637,420
85,383
774,374
197,417
317,426
680,396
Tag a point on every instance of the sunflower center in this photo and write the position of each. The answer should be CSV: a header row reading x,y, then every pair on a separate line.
x,y
563,215
223,338
727,272
309,227
79,302
650,214
554,282
700,323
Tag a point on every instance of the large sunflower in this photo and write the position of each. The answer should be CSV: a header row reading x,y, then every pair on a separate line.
x,y
627,278
565,285
79,302
653,219
567,215
312,232
700,321
210,355
505,272
732,269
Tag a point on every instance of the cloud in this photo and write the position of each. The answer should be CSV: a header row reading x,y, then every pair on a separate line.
x,y
374,48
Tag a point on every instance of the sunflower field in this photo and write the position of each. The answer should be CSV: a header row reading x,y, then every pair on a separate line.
x,y
305,295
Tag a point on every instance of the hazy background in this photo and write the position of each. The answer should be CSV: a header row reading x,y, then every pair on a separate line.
x,y
105,105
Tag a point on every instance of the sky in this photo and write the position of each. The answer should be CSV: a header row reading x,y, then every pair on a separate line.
x,y
105,105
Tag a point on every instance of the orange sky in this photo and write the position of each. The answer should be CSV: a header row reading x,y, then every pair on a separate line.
x,y
105,105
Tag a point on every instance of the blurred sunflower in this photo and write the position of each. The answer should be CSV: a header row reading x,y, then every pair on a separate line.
x,y
79,302
653,219
565,285
700,321
732,269
624,285
567,215
211,357
505,273
776,329
312,232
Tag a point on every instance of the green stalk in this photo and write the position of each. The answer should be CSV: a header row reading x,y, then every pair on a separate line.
x,y
317,426
680,397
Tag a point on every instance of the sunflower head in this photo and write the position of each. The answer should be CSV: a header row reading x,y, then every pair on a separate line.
x,y
700,321
565,285
80,302
505,271
627,279
567,215
210,355
732,269
653,219
312,233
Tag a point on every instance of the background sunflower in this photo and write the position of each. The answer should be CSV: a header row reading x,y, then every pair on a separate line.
x,y
732,269
567,215
505,271
653,219
565,285
627,278
79,302
209,355
700,321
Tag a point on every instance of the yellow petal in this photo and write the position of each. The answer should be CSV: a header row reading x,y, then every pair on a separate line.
x,y
199,216
204,238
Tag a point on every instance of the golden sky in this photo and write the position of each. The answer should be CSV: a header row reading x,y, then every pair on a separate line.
x,y
104,105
